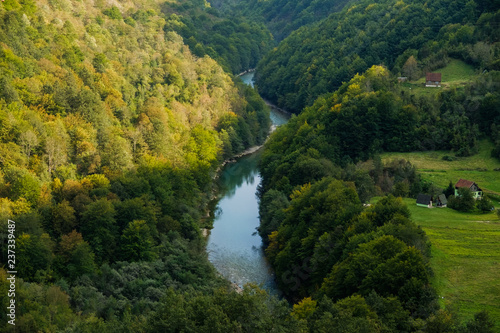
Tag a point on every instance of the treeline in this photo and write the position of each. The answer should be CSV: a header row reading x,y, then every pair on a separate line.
x,y
370,114
317,59
110,134
235,41
327,247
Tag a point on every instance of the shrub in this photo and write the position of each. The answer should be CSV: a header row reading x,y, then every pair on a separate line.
x,y
113,13
463,202
485,204
130,21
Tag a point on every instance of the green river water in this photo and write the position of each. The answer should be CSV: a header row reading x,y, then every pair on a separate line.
x,y
234,247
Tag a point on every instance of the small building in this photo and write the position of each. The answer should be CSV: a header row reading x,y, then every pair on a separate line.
x,y
402,79
424,200
471,186
433,79
441,201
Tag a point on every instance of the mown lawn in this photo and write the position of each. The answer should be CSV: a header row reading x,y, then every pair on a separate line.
x,y
465,258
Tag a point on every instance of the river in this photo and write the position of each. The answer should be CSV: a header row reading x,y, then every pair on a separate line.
x,y
234,247
277,117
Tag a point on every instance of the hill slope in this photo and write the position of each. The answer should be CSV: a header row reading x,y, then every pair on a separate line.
x,y
282,17
464,258
316,59
110,133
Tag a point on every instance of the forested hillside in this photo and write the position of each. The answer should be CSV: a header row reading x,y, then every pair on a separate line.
x,y
115,117
321,240
282,16
235,41
339,75
317,59
110,134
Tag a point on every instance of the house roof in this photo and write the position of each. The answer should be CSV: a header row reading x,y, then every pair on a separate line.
x,y
424,199
442,199
464,183
433,77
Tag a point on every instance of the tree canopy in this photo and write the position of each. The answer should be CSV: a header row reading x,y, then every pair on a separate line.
x,y
317,59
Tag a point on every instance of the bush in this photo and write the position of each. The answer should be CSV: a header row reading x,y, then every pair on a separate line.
x,y
100,62
113,13
463,202
450,190
485,204
480,323
130,21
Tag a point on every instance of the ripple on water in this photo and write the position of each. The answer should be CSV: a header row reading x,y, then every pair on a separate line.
x,y
242,266
233,246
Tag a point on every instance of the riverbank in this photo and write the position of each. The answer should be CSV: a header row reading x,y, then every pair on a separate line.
x,y
246,152
235,158
233,246
271,105
251,70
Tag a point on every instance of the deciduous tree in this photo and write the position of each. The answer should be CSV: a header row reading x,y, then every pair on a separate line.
x,y
29,141
410,68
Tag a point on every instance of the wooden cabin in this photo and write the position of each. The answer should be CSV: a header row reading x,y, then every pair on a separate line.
x,y
433,79
441,201
424,200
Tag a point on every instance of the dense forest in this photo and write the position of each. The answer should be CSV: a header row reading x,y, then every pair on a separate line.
x,y
281,16
111,132
116,116
317,59
339,75
236,42
371,114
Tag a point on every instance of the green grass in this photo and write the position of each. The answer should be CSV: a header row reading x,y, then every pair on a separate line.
x,y
465,258
479,168
456,74
419,89
465,246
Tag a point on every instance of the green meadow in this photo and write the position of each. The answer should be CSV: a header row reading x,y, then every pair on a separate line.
x,y
456,74
480,168
465,258
465,246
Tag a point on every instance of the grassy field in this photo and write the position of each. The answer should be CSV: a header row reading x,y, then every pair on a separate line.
x,y
457,73
465,258
465,246
479,168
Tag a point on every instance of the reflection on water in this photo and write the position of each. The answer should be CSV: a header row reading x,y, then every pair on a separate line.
x,y
248,78
234,247
235,175
277,117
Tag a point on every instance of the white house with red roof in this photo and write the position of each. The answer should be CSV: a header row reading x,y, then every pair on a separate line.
x,y
470,185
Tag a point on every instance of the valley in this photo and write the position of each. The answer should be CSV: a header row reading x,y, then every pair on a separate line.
x,y
123,123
